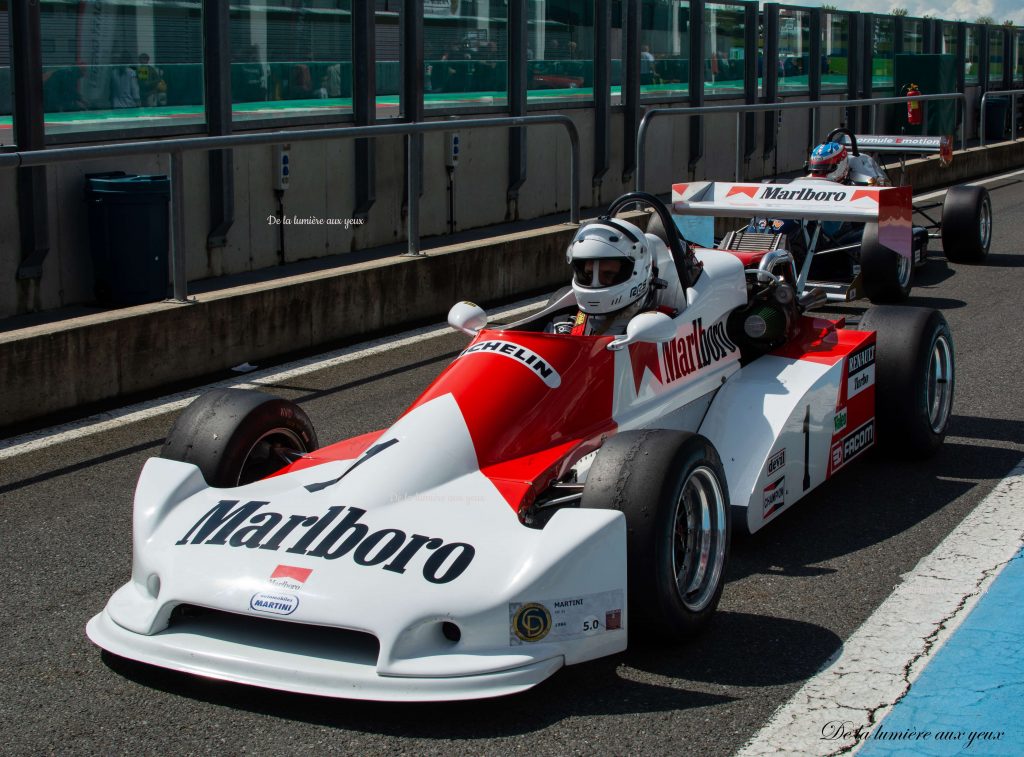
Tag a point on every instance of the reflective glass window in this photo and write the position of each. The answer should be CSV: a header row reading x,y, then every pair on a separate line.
x,y
559,50
290,59
1018,57
617,50
465,51
388,65
949,46
882,53
972,56
664,49
794,49
995,54
913,36
6,71
725,27
835,49
117,65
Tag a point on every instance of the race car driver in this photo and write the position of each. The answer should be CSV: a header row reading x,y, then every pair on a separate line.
x,y
614,277
829,161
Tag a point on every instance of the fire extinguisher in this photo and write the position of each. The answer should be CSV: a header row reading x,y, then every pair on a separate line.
x,y
915,114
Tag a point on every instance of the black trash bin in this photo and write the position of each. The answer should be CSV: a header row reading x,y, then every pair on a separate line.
x,y
129,231
996,109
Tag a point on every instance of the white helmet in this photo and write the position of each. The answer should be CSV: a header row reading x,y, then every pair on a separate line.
x,y
612,266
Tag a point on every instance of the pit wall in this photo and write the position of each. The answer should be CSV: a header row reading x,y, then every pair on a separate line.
x,y
321,188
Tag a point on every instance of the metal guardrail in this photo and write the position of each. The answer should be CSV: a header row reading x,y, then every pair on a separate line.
x,y
175,148
1013,111
739,110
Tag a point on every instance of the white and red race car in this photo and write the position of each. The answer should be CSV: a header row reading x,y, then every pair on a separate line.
x,y
544,496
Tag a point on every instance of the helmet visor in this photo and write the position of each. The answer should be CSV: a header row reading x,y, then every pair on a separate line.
x,y
598,273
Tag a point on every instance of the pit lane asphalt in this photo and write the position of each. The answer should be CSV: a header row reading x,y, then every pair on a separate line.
x,y
795,591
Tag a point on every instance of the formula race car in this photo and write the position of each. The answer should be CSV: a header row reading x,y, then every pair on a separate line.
x,y
545,494
846,256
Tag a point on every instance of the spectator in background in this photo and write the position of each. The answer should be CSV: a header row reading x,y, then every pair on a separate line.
x,y
60,90
152,87
124,87
648,69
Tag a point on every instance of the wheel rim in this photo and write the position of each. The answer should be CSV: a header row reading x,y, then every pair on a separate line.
x,y
940,384
985,224
903,268
698,540
272,451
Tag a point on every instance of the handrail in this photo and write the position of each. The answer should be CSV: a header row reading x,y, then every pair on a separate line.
x,y
1013,111
739,110
176,147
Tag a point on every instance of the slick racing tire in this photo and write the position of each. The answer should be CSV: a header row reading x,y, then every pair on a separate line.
x,y
915,375
671,487
237,436
886,274
966,224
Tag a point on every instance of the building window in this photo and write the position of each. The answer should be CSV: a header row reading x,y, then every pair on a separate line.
x,y
465,49
560,50
110,65
664,49
723,48
835,49
290,58
794,50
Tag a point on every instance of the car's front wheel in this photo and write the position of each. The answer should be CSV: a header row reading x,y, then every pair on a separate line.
x,y
237,436
671,487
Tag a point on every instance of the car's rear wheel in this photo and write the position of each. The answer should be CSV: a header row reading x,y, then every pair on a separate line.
x,y
915,375
671,487
886,274
237,436
966,224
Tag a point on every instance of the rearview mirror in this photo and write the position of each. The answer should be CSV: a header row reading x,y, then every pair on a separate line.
x,y
467,317
651,326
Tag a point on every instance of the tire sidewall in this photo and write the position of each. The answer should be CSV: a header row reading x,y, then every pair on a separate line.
x,y
671,607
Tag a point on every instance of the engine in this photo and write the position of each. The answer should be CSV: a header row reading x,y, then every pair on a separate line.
x,y
770,316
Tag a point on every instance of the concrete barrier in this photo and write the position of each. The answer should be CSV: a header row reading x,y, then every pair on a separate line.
x,y
80,361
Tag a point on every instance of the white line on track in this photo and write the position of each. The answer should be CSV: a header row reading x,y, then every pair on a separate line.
x,y
878,663
101,422
940,192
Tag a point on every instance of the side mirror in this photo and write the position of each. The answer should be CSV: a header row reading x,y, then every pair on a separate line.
x,y
651,326
467,317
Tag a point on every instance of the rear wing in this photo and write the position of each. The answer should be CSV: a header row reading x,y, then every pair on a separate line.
x,y
905,144
889,207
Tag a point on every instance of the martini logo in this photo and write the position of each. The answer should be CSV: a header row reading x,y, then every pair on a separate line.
x,y
275,604
807,194
531,622
529,358
231,525
774,496
699,349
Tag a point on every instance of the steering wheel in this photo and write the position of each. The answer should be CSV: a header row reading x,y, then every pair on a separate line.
x,y
675,239
848,134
